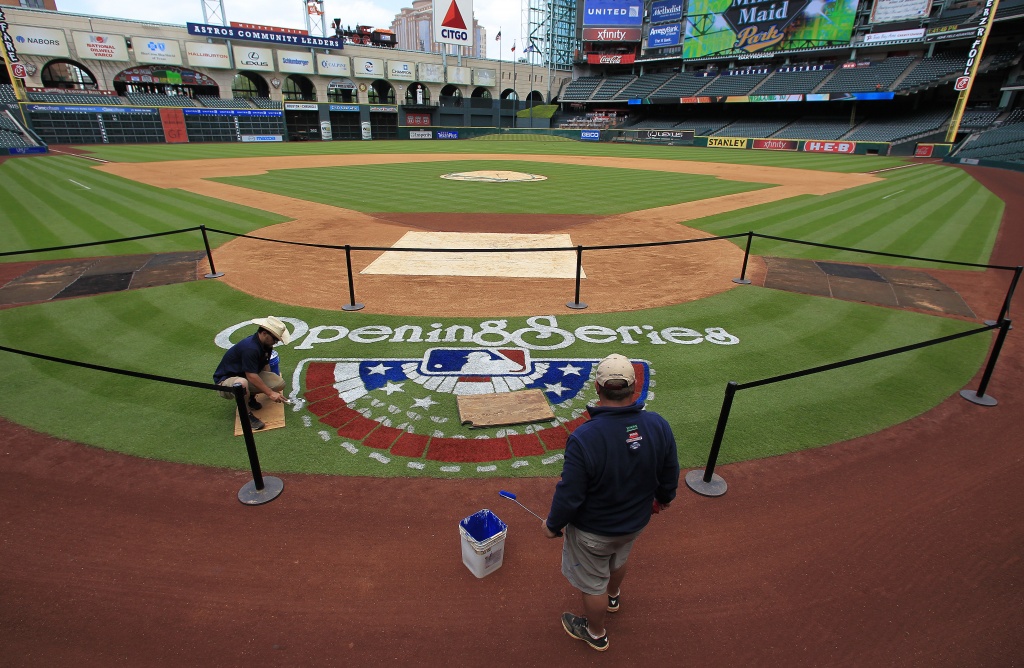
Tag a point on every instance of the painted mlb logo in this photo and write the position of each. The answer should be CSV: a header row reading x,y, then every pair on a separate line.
x,y
409,406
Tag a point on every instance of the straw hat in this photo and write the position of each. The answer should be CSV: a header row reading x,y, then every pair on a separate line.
x,y
275,327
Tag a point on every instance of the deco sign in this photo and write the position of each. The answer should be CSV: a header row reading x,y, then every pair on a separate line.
x,y
759,24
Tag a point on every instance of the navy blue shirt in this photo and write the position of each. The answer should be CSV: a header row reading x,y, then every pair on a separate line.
x,y
246,356
616,465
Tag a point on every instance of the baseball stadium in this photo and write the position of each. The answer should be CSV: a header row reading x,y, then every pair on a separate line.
x,y
803,231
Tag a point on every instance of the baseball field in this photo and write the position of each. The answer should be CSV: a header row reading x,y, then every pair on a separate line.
x,y
375,390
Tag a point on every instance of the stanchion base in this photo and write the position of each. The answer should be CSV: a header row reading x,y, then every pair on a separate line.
x,y
741,281
352,307
989,323
576,305
217,275
695,481
251,496
975,398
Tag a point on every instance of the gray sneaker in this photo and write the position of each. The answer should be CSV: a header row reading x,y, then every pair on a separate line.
x,y
577,628
255,422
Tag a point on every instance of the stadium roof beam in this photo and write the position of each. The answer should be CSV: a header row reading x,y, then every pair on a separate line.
x,y
213,12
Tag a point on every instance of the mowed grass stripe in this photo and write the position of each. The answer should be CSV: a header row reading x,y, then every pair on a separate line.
x,y
928,212
418,187
41,208
822,162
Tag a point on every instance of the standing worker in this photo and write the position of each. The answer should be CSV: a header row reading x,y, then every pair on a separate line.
x,y
248,362
620,467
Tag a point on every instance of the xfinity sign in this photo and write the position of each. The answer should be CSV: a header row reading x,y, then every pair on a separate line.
x,y
453,22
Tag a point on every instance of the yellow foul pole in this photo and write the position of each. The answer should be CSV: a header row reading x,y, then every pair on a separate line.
x,y
965,81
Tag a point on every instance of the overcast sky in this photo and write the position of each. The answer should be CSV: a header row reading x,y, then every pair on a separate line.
x,y
491,14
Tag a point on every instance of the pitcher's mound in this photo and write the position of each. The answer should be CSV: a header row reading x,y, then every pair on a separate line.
x,y
493,176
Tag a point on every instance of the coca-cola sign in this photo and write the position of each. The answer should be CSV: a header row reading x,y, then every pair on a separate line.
x,y
612,34
606,59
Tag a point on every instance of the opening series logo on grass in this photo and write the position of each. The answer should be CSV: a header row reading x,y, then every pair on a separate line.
x,y
401,403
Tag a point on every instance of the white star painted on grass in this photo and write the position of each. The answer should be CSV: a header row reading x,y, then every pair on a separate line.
x,y
425,402
570,370
391,388
379,369
557,388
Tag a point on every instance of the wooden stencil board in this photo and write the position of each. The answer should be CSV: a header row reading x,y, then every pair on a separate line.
x,y
272,415
492,410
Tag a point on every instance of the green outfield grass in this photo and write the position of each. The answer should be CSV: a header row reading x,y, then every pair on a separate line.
x,y
816,161
170,331
56,201
569,189
931,211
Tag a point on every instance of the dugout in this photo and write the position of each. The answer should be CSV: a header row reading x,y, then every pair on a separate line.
x,y
384,122
302,120
345,124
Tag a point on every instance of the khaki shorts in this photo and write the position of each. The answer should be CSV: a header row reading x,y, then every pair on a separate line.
x,y
588,559
271,379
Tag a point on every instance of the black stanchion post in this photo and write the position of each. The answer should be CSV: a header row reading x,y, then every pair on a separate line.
x,y
743,280
351,305
577,304
1003,312
707,482
261,489
978,396
209,255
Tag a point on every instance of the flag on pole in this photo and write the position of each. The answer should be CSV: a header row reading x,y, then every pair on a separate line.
x,y
497,38
531,48
513,46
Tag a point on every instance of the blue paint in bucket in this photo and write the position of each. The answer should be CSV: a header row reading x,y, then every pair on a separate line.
x,y
275,363
483,525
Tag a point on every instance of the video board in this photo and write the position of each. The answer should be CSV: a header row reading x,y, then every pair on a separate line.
x,y
736,27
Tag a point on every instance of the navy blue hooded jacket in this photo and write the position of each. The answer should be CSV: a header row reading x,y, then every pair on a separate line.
x,y
616,464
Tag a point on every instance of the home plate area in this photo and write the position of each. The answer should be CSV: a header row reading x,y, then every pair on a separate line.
x,y
409,407
509,264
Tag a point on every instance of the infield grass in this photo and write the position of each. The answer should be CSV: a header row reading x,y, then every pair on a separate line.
x,y
418,187
170,331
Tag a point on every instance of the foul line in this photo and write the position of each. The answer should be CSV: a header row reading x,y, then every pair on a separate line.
x,y
79,155
88,188
895,193
889,169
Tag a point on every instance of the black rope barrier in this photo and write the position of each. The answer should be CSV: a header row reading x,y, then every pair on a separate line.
x,y
261,489
97,243
707,483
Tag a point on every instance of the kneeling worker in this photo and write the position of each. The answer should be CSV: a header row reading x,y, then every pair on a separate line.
x,y
248,362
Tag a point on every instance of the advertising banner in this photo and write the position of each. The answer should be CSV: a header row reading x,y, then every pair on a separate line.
x,y
273,36
453,22
262,138
39,41
669,134
421,134
341,84
422,120
485,78
776,144
214,56
738,27
955,31
300,106
830,146
887,11
157,51
924,150
612,34
232,112
430,72
667,35
173,122
590,135
613,12
402,70
384,110
345,107
99,46
459,75
295,62
666,11
10,51
447,134
253,58
608,59
368,68
796,97
894,35
331,65
727,142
